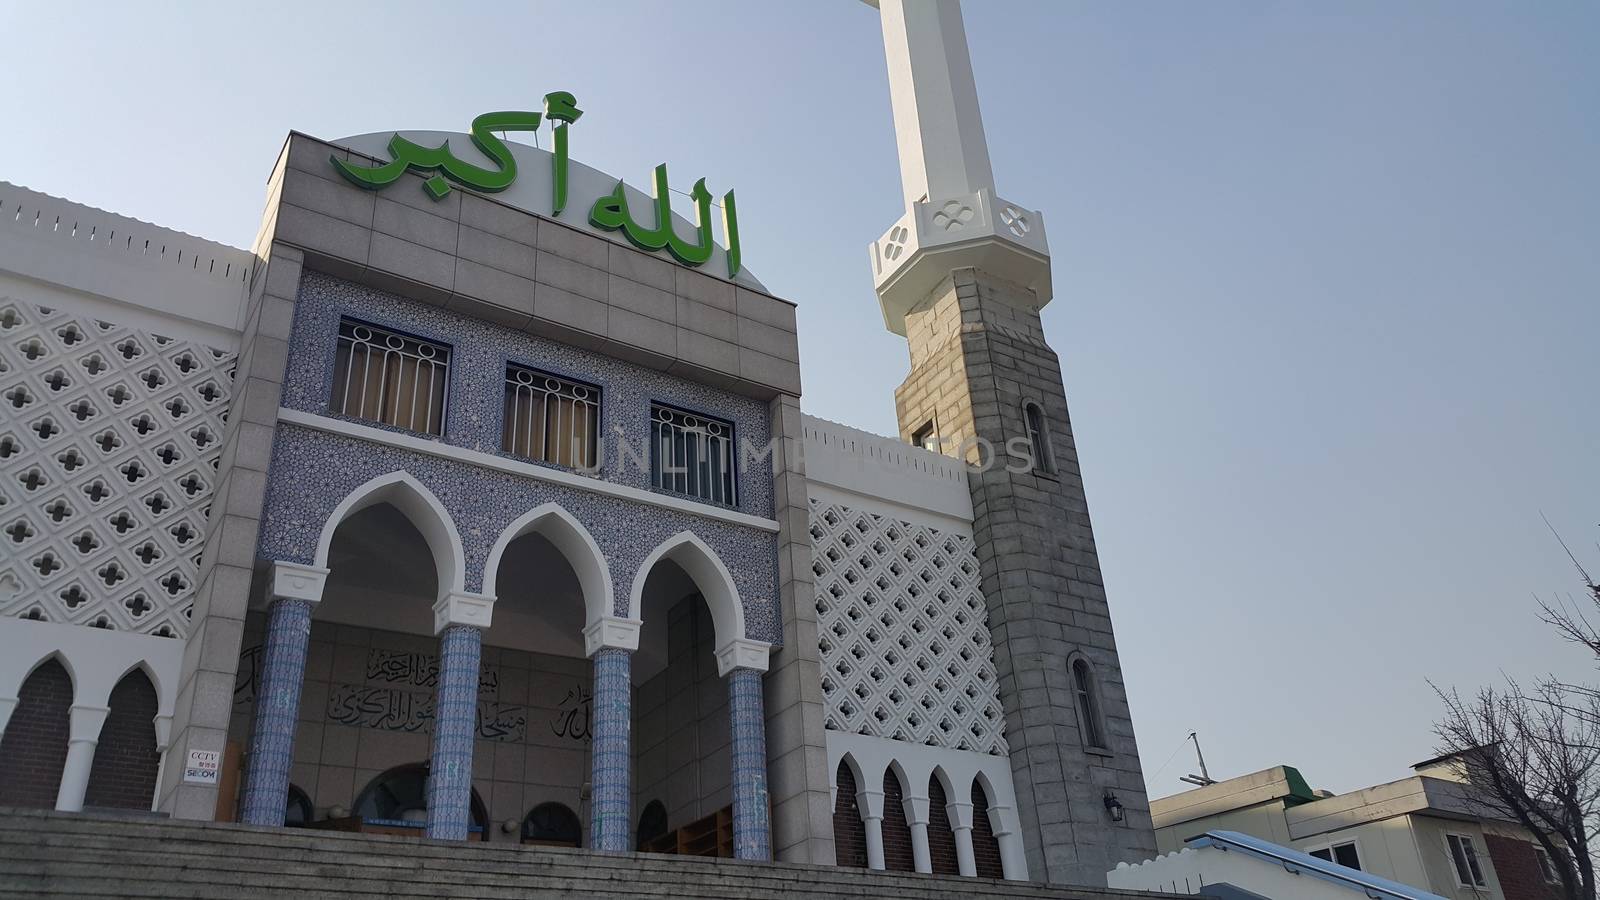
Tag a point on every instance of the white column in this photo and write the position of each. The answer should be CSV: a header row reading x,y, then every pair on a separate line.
x,y
7,704
86,722
961,825
163,726
917,817
1003,819
870,803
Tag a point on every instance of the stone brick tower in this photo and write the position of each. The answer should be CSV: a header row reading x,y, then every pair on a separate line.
x,y
963,275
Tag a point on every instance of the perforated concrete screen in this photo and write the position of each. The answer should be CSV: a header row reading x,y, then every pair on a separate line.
x,y
108,451
903,632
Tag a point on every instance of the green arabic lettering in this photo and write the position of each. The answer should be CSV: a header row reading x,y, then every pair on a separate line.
x,y
611,213
730,228
561,108
697,253
408,155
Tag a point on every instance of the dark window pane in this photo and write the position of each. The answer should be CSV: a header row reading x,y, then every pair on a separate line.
x,y
1345,855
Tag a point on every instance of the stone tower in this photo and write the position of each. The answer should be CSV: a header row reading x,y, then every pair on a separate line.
x,y
962,276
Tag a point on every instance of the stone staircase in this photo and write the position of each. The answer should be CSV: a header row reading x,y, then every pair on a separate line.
x,y
51,854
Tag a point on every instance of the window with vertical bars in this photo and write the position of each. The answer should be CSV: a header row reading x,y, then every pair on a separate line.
x,y
551,419
692,454
392,378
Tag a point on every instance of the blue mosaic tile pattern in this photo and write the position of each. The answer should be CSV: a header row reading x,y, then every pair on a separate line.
x,y
454,726
613,719
483,502
277,711
752,835
479,353
313,471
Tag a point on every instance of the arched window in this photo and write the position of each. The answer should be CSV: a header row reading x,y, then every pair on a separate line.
x,y
553,825
1038,438
985,848
941,838
400,797
123,775
1086,691
34,748
297,809
652,824
849,832
896,831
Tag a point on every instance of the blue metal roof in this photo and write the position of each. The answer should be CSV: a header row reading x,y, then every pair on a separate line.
x,y
1306,864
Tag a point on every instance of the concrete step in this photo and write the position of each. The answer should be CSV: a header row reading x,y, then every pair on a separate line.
x,y
49,854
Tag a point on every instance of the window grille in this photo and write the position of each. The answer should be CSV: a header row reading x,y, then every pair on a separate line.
x,y
391,378
692,455
550,419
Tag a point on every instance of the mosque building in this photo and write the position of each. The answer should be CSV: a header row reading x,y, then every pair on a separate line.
x,y
475,501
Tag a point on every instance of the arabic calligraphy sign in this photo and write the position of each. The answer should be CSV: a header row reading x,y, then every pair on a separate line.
x,y
393,709
610,212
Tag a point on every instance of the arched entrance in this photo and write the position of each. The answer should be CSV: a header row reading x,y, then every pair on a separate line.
x,y
698,729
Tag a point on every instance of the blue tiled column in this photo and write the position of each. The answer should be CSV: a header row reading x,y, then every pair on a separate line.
x,y
613,720
751,830
455,725
277,712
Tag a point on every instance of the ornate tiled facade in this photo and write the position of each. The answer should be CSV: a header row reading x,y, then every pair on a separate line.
x,y
277,711
454,726
109,437
613,759
751,836
313,471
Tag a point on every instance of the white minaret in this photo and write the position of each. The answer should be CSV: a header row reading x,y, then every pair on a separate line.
x,y
962,276
953,218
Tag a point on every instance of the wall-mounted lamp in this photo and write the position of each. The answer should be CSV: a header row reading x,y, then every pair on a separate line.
x,y
1114,807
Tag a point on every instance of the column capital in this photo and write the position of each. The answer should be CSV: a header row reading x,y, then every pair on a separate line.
x,y
296,581
163,726
613,632
743,653
960,815
870,803
462,608
86,722
1003,820
917,809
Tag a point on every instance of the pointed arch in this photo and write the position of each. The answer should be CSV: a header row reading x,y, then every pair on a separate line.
x,y
34,746
419,505
849,830
709,574
59,656
126,760
563,530
897,853
855,771
941,837
985,846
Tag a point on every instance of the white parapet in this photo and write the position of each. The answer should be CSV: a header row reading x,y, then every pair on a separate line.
x,y
887,475
152,277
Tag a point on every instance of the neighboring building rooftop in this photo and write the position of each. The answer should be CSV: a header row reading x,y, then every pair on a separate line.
x,y
1255,867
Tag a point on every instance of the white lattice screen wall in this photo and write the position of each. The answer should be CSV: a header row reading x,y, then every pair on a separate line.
x,y
109,439
903,631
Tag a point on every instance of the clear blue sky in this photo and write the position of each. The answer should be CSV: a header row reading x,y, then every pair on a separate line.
x,y
1327,279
